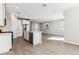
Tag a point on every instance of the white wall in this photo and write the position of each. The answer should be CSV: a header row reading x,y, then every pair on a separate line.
x,y
72,26
2,14
7,27
54,27
35,26
8,22
14,26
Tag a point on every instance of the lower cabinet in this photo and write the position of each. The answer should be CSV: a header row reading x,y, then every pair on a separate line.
x,y
29,37
5,42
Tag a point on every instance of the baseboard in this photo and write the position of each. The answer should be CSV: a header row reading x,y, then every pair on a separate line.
x,y
54,34
71,42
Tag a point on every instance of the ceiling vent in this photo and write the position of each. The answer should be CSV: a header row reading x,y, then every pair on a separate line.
x,y
44,5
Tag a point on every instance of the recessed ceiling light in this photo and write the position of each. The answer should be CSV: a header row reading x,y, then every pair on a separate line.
x,y
17,7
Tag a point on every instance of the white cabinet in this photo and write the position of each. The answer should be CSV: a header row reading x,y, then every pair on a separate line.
x,y
37,37
2,14
26,22
19,28
5,42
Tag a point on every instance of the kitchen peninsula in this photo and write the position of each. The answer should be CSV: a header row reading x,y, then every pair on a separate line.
x,y
6,41
34,37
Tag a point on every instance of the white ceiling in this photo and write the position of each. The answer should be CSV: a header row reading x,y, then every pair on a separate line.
x,y
36,12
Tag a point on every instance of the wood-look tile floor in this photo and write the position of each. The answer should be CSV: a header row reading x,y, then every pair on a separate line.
x,y
48,47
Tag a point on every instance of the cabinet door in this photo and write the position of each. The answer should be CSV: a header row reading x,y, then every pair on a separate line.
x,y
2,14
19,28
26,22
5,42
31,38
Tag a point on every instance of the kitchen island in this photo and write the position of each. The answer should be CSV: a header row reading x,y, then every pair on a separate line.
x,y
33,37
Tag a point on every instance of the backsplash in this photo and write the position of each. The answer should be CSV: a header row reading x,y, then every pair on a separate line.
x,y
5,28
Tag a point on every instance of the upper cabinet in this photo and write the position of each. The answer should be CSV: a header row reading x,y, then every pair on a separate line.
x,y
2,14
26,22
